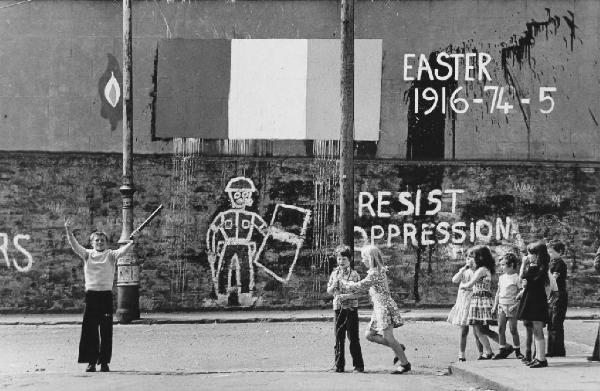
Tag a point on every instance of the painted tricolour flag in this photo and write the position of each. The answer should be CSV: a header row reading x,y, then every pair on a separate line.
x,y
264,89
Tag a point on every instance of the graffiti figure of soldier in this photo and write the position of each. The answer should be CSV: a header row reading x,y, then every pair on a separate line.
x,y
231,244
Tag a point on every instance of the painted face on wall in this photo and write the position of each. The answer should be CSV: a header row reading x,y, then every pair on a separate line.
x,y
240,198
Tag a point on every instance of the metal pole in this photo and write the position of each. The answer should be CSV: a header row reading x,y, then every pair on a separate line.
x,y
128,292
347,128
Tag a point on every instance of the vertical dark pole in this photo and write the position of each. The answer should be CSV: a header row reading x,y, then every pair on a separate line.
x,y
347,129
128,269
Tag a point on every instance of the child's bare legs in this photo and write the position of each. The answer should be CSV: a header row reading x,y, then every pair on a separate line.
x,y
464,333
491,334
512,324
501,329
371,335
540,342
477,342
528,339
483,338
392,342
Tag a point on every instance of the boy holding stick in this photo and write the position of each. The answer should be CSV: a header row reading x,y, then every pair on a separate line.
x,y
99,270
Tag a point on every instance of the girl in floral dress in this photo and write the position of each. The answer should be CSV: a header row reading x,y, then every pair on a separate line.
x,y
386,315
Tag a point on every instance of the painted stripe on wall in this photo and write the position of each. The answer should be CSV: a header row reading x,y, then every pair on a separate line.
x,y
267,98
368,57
323,110
193,88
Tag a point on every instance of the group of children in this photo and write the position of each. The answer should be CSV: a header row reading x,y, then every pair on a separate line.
x,y
534,293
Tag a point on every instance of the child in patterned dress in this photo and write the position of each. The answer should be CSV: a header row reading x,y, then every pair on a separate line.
x,y
386,315
480,309
459,314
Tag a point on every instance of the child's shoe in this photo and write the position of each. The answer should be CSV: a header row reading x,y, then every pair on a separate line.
x,y
539,364
504,352
104,368
359,369
462,359
488,356
402,369
518,354
91,368
527,357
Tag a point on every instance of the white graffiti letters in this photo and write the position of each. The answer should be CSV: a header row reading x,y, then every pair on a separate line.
x,y
4,241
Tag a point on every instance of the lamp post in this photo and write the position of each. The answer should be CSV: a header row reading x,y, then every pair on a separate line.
x,y
128,276
347,129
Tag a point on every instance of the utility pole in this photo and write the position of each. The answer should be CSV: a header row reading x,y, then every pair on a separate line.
x,y
128,275
347,128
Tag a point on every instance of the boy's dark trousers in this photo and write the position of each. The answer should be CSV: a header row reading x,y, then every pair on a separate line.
x,y
557,309
346,321
98,314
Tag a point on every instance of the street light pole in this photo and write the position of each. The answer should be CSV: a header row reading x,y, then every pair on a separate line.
x,y
128,292
347,129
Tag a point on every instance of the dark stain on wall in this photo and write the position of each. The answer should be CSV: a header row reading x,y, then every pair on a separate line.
x,y
426,132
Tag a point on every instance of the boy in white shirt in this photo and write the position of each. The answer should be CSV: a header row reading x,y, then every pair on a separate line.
x,y
505,303
99,270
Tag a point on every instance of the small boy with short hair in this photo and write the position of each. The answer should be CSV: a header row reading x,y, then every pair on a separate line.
x,y
506,304
345,306
558,300
99,271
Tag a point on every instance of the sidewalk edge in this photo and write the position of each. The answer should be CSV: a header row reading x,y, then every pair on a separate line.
x,y
479,380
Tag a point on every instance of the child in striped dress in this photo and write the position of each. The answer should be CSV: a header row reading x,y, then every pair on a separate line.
x,y
480,310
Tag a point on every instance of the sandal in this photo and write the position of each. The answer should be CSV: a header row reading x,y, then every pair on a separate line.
x,y
402,369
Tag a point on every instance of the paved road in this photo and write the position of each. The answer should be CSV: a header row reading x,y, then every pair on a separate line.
x,y
266,356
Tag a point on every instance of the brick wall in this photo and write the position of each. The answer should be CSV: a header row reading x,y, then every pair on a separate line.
x,y
38,189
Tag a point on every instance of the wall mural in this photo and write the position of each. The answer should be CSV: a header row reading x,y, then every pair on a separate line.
x,y
109,89
232,240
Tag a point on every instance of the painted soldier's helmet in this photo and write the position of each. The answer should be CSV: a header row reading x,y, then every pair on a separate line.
x,y
240,184
240,191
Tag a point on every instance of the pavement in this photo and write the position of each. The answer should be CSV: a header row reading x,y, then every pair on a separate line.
x,y
246,316
571,373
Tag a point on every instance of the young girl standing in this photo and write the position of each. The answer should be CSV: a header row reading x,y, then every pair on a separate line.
x,y
533,306
480,309
386,315
459,314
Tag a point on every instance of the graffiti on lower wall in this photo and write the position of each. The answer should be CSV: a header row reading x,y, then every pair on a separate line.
x,y
232,241
17,262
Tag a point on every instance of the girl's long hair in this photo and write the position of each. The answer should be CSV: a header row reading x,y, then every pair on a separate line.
x,y
483,258
373,254
540,250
